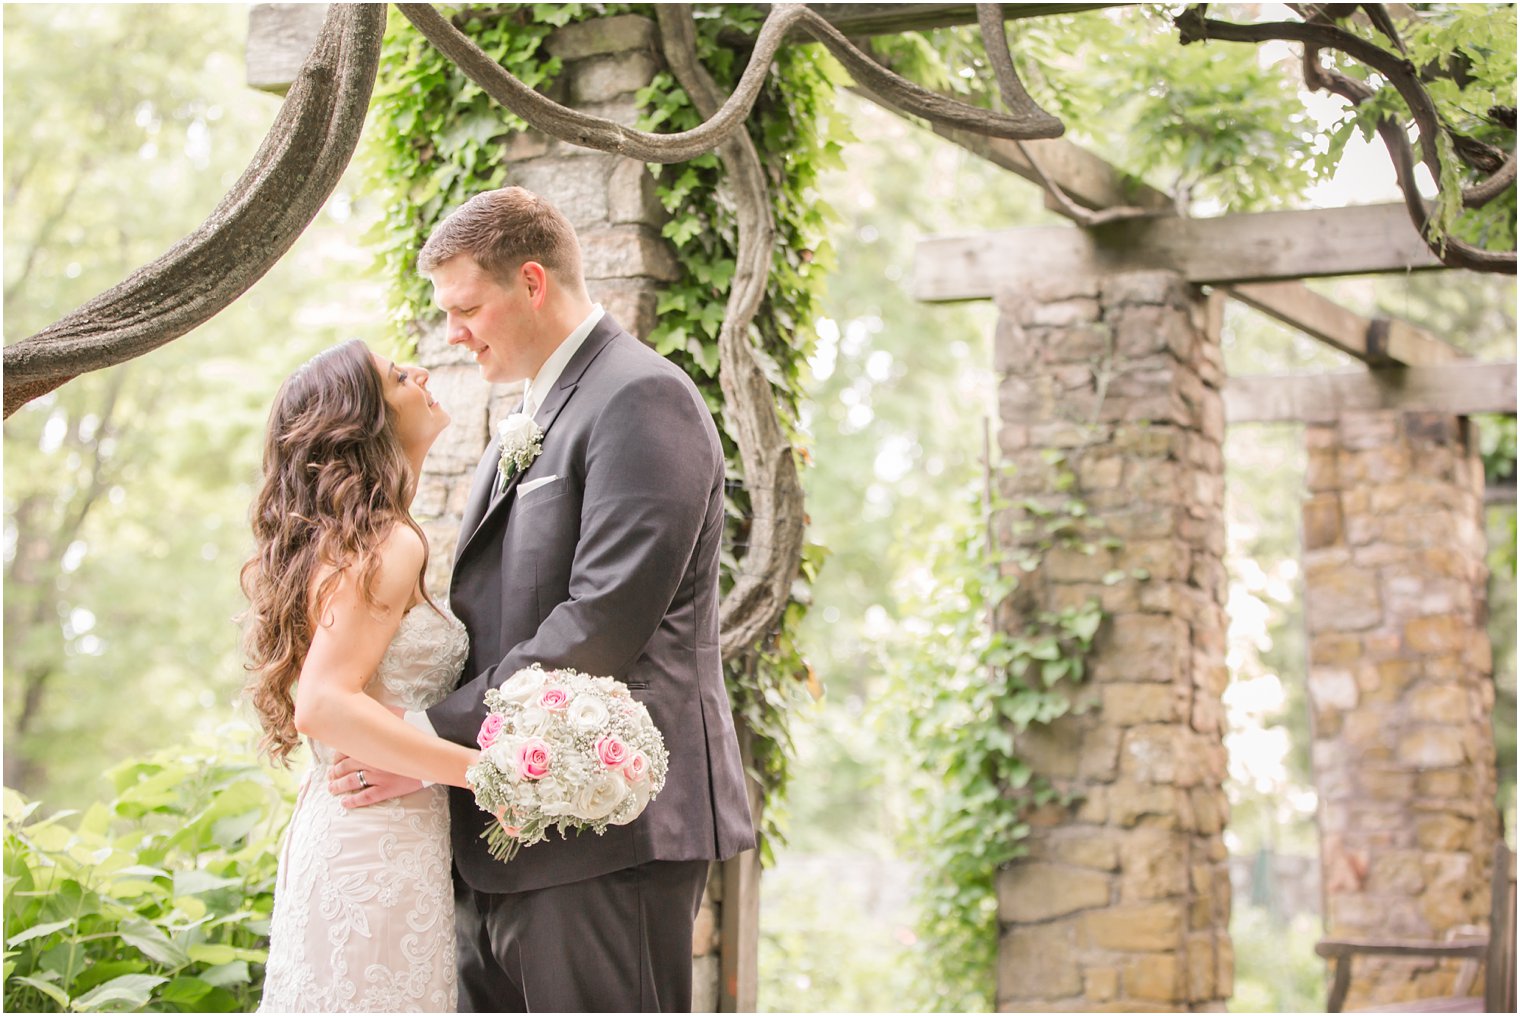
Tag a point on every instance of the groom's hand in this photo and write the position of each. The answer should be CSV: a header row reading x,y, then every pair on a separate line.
x,y
378,785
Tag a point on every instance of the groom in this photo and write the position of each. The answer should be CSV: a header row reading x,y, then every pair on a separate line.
x,y
602,556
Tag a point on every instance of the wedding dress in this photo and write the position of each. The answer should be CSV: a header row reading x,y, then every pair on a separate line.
x,y
364,902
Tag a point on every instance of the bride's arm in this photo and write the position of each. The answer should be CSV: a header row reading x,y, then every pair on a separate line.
x,y
346,647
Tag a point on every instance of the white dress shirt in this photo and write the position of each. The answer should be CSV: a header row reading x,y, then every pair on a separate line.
x,y
533,397
548,375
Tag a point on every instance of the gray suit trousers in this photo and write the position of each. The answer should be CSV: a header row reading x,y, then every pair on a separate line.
x,y
620,942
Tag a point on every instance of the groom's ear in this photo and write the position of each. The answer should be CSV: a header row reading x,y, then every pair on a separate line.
x,y
535,279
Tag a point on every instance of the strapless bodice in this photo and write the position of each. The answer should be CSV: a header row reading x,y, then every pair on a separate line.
x,y
423,662
420,666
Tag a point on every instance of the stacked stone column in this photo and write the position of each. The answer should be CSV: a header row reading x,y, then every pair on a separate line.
x,y
1123,901
612,204
1400,688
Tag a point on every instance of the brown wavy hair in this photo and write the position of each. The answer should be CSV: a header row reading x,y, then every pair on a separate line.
x,y
336,482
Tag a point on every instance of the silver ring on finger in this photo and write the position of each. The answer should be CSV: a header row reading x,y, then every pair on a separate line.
x,y
363,783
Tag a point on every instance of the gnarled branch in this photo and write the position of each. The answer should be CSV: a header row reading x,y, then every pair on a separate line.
x,y
605,135
989,18
763,585
281,191
587,131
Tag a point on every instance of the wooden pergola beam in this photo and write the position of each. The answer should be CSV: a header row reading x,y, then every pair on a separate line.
x,y
1458,388
1088,179
1229,249
1374,341
1093,183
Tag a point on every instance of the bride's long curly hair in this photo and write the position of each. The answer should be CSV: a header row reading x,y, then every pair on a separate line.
x,y
336,481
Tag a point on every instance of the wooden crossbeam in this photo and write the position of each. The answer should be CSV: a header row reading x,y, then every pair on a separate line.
x,y
1093,183
1458,388
1375,341
1087,179
1268,246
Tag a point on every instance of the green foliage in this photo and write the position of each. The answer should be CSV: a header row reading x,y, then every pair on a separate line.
x,y
437,137
439,141
156,900
832,934
1275,966
1203,122
984,666
1496,443
1467,54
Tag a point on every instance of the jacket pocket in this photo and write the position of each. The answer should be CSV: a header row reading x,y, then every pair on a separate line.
x,y
555,488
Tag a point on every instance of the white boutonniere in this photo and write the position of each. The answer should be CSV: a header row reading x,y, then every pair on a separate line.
x,y
522,441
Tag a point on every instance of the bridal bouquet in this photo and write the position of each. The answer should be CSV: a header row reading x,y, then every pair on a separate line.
x,y
561,749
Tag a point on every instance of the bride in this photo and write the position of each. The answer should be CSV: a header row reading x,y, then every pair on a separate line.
x,y
342,637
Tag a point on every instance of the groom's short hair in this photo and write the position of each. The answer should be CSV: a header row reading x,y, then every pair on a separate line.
x,y
501,229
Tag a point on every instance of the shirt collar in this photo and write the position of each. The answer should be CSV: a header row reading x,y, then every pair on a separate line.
x,y
548,375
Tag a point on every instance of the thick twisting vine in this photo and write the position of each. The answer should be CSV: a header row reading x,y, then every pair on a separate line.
x,y
754,604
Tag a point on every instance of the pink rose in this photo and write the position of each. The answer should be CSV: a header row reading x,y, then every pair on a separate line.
x,y
489,730
512,830
612,752
554,699
637,768
533,759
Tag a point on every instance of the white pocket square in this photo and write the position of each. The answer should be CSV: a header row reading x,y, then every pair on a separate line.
x,y
531,485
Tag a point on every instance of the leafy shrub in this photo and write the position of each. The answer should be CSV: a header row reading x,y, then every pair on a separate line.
x,y
1275,966
158,900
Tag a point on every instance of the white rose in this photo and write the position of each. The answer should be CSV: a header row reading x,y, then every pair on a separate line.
x,y
553,797
587,714
532,721
524,685
599,797
516,431
640,794
503,755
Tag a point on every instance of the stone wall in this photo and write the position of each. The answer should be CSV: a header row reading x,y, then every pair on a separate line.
x,y
1400,687
612,204
1123,903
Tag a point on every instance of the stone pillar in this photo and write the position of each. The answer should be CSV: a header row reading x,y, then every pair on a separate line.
x,y
612,204
1123,901
1400,687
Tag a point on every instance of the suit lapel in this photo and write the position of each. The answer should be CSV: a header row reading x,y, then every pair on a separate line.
x,y
485,504
480,495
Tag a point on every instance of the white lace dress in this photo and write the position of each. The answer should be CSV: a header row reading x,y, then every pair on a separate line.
x,y
364,904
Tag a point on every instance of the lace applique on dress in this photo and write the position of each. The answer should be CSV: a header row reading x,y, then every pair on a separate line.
x,y
364,904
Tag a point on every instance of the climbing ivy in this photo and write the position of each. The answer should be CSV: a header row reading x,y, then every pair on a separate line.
x,y
987,664
440,140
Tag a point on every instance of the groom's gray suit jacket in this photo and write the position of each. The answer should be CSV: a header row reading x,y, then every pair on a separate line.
x,y
610,568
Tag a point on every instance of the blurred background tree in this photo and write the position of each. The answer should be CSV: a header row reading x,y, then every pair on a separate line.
x,y
126,491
